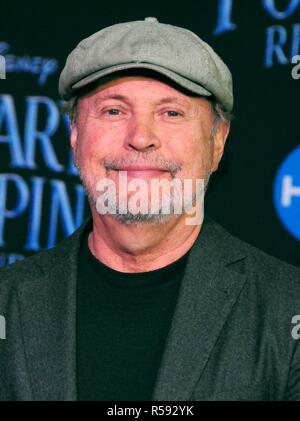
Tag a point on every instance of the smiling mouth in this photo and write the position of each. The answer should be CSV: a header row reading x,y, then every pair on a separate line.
x,y
140,171
143,173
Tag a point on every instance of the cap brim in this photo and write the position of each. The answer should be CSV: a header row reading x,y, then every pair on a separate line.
x,y
181,81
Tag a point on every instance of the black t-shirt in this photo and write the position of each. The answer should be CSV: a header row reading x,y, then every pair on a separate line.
x,y
122,323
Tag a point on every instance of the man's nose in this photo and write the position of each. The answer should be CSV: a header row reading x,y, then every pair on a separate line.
x,y
141,135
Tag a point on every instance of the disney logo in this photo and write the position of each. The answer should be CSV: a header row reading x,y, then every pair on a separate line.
x,y
41,66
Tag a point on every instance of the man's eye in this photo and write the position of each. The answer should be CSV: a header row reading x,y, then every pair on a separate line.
x,y
112,111
173,113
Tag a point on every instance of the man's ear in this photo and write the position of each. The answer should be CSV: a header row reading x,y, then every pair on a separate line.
x,y
73,138
219,141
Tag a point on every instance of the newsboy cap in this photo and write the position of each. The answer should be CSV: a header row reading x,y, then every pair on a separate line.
x,y
172,51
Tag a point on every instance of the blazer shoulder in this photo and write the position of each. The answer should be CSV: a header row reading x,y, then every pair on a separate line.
x,y
42,262
260,266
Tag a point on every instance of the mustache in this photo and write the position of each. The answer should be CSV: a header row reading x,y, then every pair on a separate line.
x,y
161,164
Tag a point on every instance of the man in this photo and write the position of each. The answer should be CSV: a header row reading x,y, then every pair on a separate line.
x,y
143,301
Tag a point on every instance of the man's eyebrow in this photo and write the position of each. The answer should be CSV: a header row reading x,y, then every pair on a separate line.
x,y
112,96
171,99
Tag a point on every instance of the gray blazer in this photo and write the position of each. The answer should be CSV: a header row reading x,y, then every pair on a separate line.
x,y
230,337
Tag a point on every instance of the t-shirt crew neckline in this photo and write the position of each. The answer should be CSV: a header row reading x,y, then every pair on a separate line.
x,y
132,279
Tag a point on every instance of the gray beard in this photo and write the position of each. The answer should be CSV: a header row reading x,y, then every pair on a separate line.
x,y
140,218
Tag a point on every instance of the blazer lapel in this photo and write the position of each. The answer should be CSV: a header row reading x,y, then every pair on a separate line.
x,y
208,292
49,325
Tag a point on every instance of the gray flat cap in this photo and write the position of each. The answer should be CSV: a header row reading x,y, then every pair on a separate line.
x,y
174,52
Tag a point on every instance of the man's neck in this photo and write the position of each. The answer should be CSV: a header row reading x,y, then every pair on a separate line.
x,y
140,247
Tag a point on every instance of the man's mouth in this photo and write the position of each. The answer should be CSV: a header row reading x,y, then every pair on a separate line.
x,y
142,171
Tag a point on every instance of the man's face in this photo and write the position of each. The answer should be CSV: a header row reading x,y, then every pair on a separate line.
x,y
147,128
